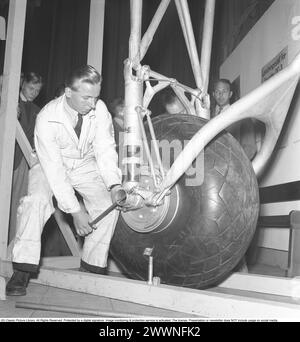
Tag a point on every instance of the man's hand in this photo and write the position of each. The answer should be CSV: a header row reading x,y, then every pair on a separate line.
x,y
81,223
118,194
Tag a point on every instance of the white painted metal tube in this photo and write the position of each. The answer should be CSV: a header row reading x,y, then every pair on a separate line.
x,y
151,91
150,270
96,34
274,121
186,102
133,98
159,76
208,29
2,288
149,34
155,146
182,7
253,105
147,150
136,7
183,27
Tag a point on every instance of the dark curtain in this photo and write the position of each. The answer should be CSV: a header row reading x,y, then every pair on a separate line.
x,y
55,40
115,48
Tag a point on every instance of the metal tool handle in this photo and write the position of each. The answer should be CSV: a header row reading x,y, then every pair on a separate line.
x,y
107,211
102,215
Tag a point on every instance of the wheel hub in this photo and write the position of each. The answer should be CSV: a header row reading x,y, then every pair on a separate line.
x,y
149,218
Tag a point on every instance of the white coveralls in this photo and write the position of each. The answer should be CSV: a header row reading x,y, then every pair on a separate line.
x,y
88,165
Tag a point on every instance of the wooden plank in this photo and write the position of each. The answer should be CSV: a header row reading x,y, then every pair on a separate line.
x,y
263,284
2,288
24,144
76,310
2,28
8,110
62,262
96,31
67,233
203,303
294,269
9,250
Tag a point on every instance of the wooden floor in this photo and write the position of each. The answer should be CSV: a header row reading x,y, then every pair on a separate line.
x,y
82,305
50,296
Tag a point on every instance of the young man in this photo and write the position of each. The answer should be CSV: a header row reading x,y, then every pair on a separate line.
x,y
76,151
222,94
243,131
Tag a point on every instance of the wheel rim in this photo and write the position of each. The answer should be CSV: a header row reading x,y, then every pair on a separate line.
x,y
153,219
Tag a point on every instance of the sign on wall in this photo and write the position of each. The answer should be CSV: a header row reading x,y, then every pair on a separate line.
x,y
277,63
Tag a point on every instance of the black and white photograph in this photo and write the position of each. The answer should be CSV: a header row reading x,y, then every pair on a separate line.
x,y
149,167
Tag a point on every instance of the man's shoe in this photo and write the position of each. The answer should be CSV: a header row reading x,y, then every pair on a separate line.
x,y
17,284
85,267
82,269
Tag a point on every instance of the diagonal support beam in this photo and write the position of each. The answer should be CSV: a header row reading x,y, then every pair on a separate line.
x,y
149,34
208,29
8,110
24,144
187,28
2,288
